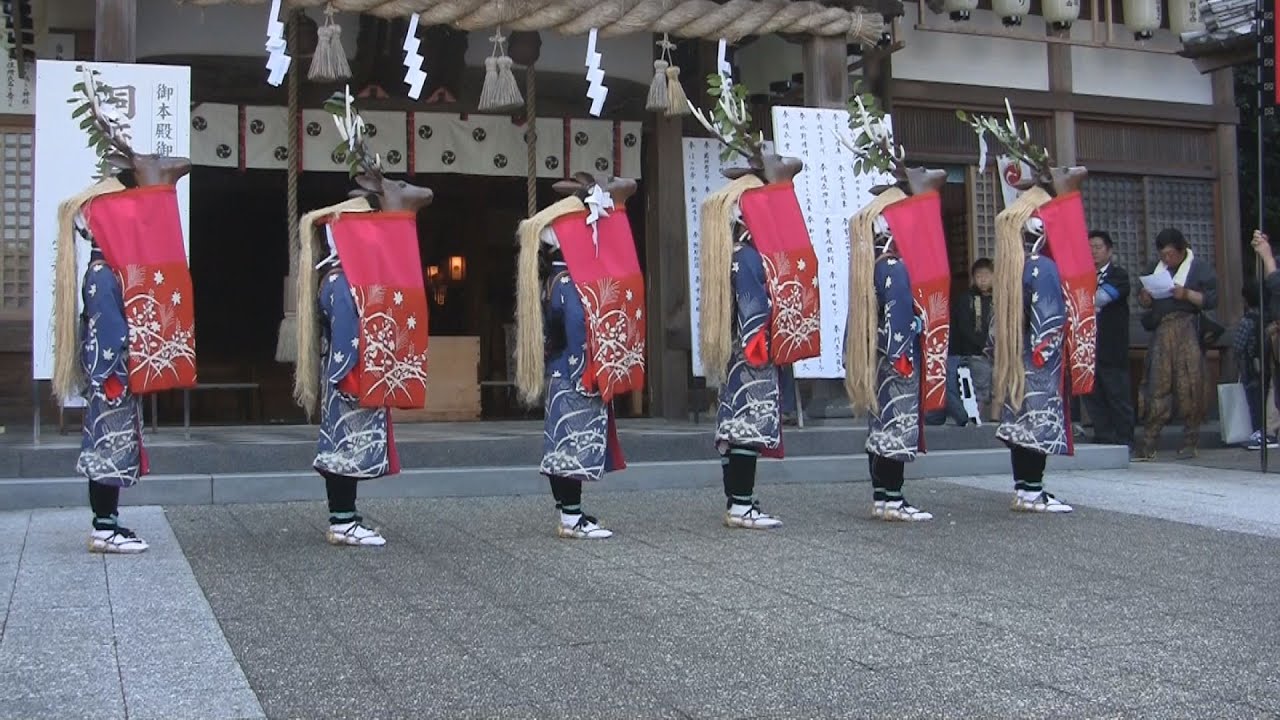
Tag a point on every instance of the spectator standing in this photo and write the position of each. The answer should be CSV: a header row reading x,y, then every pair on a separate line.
x,y
1175,358
1109,405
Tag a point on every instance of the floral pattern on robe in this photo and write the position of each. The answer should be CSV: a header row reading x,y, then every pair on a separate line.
x,y
579,438
749,413
894,432
355,442
1040,423
111,450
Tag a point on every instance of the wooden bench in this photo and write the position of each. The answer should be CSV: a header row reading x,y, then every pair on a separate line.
x,y
255,402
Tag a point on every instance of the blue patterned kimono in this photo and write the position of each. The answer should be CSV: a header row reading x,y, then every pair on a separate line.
x,y
894,433
748,415
111,444
355,442
579,437
1040,424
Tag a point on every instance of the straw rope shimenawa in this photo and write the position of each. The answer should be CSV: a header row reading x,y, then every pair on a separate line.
x,y
306,374
715,250
702,19
1009,379
864,315
530,362
68,375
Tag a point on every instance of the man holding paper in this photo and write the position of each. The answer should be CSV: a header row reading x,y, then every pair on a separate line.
x,y
1175,359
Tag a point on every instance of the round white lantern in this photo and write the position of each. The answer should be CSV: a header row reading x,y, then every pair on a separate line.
x,y
959,9
1011,12
1061,13
1184,16
1142,17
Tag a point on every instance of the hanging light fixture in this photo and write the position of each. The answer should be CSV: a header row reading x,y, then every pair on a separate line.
x,y
457,269
1142,17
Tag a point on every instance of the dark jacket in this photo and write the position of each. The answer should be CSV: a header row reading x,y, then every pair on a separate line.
x,y
1200,279
1113,318
970,323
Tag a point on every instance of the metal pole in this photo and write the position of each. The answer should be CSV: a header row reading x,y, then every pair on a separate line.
x,y
1262,28
35,418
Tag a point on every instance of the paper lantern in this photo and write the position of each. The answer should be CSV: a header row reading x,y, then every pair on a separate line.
x,y
1011,12
1184,17
1061,13
1142,17
959,9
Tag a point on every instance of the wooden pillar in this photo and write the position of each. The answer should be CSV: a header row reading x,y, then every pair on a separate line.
x,y
667,261
1064,121
1229,255
115,31
826,85
826,72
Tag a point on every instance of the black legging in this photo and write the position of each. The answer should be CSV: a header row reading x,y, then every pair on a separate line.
x,y
1028,468
568,494
104,500
341,491
886,477
739,477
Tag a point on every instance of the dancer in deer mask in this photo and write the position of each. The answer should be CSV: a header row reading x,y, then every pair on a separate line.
x,y
135,332
759,305
580,334
362,333
1044,327
896,339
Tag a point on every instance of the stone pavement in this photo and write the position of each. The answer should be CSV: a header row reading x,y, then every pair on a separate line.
x,y
1155,599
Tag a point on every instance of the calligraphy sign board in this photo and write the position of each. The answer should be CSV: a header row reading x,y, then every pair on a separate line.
x,y
829,193
154,103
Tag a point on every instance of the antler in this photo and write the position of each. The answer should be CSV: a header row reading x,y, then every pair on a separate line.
x,y
1017,141
874,143
730,122
351,127
102,124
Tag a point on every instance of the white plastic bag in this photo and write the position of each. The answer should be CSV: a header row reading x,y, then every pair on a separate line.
x,y
1234,421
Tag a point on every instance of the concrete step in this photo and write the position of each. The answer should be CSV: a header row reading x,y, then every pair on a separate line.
x,y
485,479
284,449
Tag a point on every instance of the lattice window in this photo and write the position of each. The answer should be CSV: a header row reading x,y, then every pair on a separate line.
x,y
986,203
15,221
1116,204
1186,205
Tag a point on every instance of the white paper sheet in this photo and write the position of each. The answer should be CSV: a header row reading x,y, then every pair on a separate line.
x,y
1158,284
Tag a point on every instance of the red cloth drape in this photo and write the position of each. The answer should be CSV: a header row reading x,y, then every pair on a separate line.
x,y
1067,242
379,253
916,223
611,288
773,216
140,233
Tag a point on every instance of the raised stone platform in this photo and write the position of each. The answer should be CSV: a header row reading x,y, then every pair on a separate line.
x,y
272,463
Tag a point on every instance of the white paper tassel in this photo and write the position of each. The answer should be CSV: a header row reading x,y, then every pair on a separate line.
x,y
596,90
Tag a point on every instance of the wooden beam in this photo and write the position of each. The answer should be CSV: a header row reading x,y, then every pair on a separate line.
x,y
1064,121
977,96
116,31
667,276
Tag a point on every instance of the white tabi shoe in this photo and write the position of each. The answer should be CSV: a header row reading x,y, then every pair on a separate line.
x,y
750,517
354,533
903,511
117,540
1041,502
877,509
584,528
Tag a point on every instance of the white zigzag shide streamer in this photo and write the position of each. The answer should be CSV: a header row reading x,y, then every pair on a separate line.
x,y
595,76
415,76
278,62
722,63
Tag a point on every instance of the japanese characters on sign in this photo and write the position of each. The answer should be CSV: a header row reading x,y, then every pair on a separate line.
x,y
830,194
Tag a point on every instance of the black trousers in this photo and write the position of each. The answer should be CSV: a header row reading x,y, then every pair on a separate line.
x,y
739,468
1110,407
